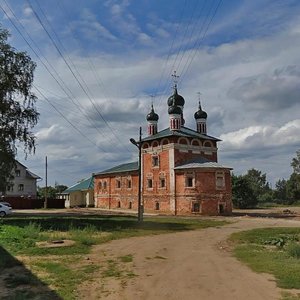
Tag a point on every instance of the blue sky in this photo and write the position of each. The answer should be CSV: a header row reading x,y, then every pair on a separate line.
x,y
100,64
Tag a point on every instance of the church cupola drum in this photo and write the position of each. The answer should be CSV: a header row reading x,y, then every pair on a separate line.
x,y
201,117
152,119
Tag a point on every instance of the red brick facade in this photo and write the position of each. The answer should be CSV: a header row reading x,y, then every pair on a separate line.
x,y
166,190
180,172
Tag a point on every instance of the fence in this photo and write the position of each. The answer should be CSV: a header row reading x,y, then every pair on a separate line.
x,y
31,203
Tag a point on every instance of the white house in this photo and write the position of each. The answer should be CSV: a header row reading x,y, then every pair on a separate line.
x,y
80,194
24,182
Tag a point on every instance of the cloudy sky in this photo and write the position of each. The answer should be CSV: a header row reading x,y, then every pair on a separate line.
x,y
100,64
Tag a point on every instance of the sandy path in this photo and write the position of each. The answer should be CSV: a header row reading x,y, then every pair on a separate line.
x,y
186,265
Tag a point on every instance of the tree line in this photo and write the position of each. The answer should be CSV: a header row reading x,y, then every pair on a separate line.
x,y
252,189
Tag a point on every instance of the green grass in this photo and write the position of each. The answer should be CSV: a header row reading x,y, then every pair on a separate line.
x,y
64,268
126,258
268,250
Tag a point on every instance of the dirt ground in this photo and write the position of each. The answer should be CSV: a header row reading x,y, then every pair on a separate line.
x,y
185,265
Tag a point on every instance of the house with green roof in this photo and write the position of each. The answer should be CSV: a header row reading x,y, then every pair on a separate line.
x,y
80,194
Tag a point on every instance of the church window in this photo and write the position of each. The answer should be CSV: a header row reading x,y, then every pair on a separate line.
x,y
220,180
196,207
119,204
183,141
99,185
149,183
18,173
155,161
130,205
118,183
207,144
21,187
190,179
104,184
162,182
155,144
145,146
156,205
129,183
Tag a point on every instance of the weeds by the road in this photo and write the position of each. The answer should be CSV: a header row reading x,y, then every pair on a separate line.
x,y
63,268
271,250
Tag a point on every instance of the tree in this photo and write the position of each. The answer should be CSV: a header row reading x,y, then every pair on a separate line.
x,y
258,183
243,195
296,162
18,114
280,191
51,191
293,188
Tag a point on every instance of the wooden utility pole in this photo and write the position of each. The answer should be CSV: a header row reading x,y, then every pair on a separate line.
x,y
46,186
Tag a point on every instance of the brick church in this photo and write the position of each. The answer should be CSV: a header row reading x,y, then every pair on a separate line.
x,y
179,166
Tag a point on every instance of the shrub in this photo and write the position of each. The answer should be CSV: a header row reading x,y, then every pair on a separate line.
x,y
293,250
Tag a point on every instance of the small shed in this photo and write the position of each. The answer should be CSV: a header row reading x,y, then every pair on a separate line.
x,y
80,194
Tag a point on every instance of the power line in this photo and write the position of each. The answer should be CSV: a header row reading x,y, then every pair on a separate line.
x,y
63,85
62,115
187,65
72,72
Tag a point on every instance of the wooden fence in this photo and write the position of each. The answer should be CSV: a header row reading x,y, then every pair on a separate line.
x,y
31,203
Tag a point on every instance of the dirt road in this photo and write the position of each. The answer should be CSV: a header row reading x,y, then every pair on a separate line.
x,y
187,265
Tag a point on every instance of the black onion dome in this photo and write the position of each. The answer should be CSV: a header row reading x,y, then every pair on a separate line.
x,y
152,116
174,110
200,114
179,100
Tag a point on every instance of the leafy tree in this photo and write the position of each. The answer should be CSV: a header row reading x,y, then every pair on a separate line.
x,y
18,114
60,188
51,191
296,162
258,183
293,188
243,195
280,191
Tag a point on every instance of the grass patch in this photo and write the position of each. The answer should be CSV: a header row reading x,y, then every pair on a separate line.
x,y
64,268
126,258
271,250
112,269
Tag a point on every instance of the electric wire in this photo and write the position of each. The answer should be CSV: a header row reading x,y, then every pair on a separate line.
x,y
68,121
73,73
62,86
197,46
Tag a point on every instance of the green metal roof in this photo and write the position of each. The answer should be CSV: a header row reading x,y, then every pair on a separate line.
x,y
133,166
83,185
184,131
201,162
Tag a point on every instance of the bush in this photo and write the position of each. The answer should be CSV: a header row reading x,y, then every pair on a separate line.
x,y
293,250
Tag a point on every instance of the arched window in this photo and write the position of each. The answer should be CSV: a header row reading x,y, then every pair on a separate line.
x,y
207,144
155,144
145,146
165,142
196,143
183,141
156,205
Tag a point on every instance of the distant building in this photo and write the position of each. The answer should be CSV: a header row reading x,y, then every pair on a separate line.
x,y
180,170
80,194
23,183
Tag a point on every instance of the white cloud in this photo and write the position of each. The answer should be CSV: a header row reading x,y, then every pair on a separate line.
x,y
249,89
260,137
